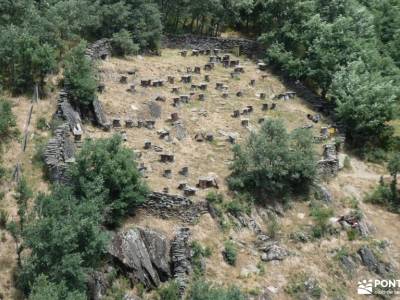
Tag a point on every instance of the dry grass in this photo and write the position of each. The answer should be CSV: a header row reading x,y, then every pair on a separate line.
x,y
316,258
201,158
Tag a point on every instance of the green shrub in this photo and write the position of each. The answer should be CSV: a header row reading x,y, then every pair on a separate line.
x,y
321,215
215,198
273,226
300,286
3,218
274,162
352,234
234,207
122,43
202,290
7,121
41,123
230,253
3,172
347,163
198,253
170,291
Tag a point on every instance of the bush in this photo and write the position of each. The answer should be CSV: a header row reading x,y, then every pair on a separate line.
x,y
7,121
122,43
235,207
3,218
111,168
300,286
273,226
198,253
274,162
215,198
321,215
230,253
169,291
202,290
41,123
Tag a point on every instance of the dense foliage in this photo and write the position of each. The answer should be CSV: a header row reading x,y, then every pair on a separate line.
x,y
388,194
274,163
80,77
34,35
64,230
108,165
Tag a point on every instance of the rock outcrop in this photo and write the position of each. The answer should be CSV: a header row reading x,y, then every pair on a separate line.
x,y
143,255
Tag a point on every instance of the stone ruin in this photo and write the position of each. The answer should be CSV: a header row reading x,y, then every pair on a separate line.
x,y
181,258
168,206
329,165
208,182
66,111
100,49
248,47
285,96
58,153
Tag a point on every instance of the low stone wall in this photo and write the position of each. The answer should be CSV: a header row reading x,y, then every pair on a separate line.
x,y
174,206
100,49
250,48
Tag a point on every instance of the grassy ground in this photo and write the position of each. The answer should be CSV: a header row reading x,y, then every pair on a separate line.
x,y
316,258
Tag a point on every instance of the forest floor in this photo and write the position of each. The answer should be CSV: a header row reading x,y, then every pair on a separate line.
x,y
316,258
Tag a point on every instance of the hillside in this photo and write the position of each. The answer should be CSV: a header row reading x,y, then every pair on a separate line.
x,y
200,138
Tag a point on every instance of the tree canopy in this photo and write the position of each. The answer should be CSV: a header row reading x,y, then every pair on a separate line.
x,y
274,163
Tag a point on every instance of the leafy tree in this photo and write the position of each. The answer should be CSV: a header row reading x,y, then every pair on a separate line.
x,y
365,103
24,59
123,44
64,238
80,78
274,163
112,166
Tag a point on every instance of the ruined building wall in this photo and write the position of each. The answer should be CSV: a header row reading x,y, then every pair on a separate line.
x,y
250,48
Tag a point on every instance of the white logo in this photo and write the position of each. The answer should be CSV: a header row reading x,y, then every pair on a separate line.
x,y
364,287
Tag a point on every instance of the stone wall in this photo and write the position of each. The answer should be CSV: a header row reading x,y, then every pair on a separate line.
x,y
58,153
329,165
174,206
100,49
250,48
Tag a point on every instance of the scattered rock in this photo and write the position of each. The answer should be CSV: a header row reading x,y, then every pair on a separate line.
x,y
274,252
